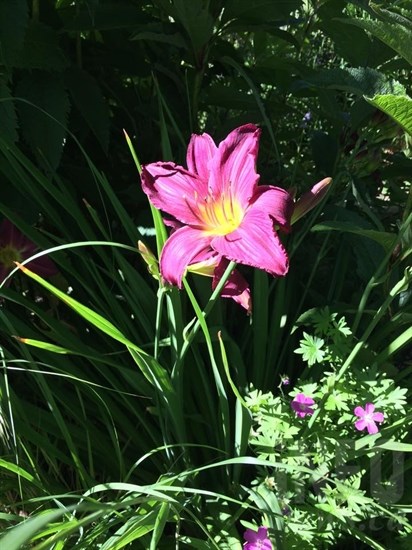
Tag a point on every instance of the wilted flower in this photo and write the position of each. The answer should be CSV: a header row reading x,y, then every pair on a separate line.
x,y
14,246
257,540
302,405
219,212
368,418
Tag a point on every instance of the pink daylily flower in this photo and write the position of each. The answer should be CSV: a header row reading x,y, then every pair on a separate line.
x,y
257,540
302,405
368,418
16,247
219,212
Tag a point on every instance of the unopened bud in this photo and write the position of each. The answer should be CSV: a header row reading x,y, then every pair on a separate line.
x,y
309,200
150,259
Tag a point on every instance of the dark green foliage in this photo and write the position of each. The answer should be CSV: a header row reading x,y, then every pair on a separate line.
x,y
328,81
13,24
43,108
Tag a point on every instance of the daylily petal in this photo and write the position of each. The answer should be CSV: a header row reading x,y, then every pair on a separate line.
x,y
233,167
184,247
199,154
43,266
236,286
274,201
254,243
174,190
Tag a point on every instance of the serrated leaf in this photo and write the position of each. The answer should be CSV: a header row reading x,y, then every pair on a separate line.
x,y
174,39
398,107
43,115
196,20
107,16
13,22
259,10
41,49
88,98
357,80
8,118
353,44
393,35
401,18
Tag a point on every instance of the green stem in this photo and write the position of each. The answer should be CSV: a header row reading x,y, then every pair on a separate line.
x,y
209,306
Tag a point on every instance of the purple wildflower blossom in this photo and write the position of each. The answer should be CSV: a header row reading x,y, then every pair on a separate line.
x,y
302,405
257,540
368,418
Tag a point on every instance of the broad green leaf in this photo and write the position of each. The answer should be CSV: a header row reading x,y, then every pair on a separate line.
x,y
157,34
259,10
104,16
358,80
387,240
398,107
196,20
401,17
350,42
13,22
88,98
41,49
43,115
393,35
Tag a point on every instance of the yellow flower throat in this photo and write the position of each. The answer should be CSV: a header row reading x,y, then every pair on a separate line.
x,y
9,255
220,217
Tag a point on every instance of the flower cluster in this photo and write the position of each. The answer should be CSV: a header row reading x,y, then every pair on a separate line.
x,y
367,417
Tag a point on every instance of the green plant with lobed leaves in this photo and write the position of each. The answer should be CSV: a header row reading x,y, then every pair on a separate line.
x,y
328,481
105,443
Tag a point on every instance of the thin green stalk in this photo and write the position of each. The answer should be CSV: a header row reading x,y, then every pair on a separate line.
x,y
209,306
159,307
223,401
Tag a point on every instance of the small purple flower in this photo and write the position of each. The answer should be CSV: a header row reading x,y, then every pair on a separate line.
x,y
307,117
368,418
302,405
257,540
285,381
